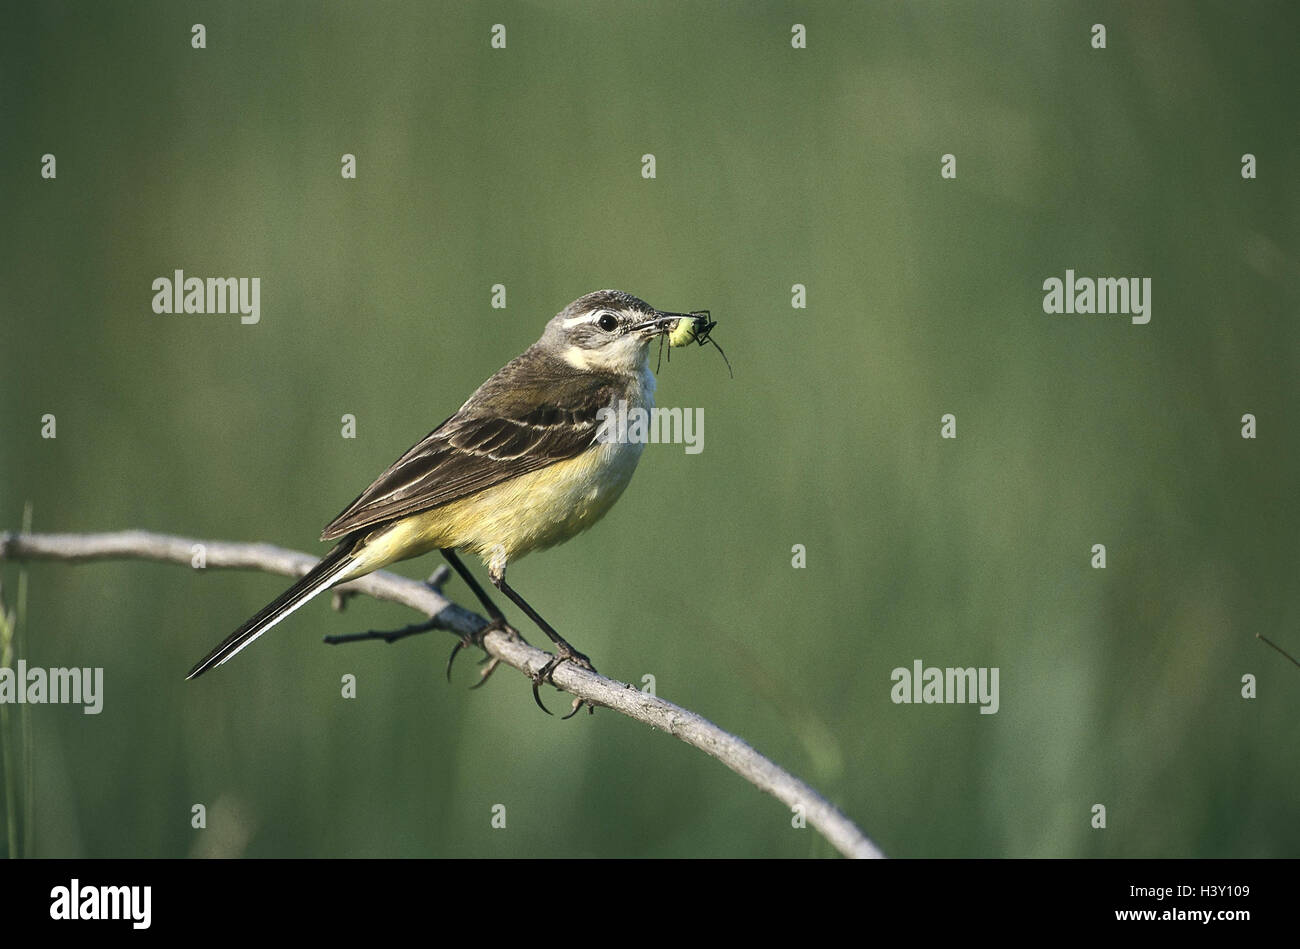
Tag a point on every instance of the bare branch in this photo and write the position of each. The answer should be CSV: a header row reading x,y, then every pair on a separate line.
x,y
444,614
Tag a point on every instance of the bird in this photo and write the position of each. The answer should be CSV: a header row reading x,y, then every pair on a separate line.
x,y
520,467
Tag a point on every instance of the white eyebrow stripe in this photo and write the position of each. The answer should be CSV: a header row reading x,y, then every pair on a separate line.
x,y
575,320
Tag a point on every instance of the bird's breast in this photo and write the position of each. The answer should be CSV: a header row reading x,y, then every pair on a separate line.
x,y
546,507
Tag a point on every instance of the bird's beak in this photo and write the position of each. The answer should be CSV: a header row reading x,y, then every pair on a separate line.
x,y
660,325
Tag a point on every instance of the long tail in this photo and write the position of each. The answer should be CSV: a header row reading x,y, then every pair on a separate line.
x,y
318,579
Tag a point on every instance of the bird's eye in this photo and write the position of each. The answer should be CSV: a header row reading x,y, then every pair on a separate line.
x,y
607,322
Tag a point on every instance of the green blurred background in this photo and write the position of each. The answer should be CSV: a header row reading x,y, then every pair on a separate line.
x,y
775,166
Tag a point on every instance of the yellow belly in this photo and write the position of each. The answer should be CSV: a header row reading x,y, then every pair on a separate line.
x,y
503,523
531,512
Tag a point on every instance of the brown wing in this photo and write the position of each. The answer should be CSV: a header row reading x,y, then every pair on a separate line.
x,y
517,422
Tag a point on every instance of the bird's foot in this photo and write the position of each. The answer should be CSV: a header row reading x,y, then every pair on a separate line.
x,y
488,662
543,675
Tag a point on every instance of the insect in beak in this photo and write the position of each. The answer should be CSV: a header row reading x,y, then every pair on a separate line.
x,y
694,327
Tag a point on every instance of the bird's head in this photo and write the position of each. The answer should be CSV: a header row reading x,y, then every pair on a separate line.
x,y
607,331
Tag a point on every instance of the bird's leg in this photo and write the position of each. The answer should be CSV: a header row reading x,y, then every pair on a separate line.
x,y
566,652
497,619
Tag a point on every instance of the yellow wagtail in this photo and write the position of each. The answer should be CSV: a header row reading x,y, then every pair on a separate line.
x,y
518,468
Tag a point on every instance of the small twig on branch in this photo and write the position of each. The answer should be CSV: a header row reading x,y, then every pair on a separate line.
x,y
1278,648
387,635
434,583
426,598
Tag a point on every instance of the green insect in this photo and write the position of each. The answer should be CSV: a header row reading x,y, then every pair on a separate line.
x,y
687,330
695,327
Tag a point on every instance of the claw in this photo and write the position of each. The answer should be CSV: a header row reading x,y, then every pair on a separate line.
x,y
544,675
476,639
492,663
537,680
455,651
